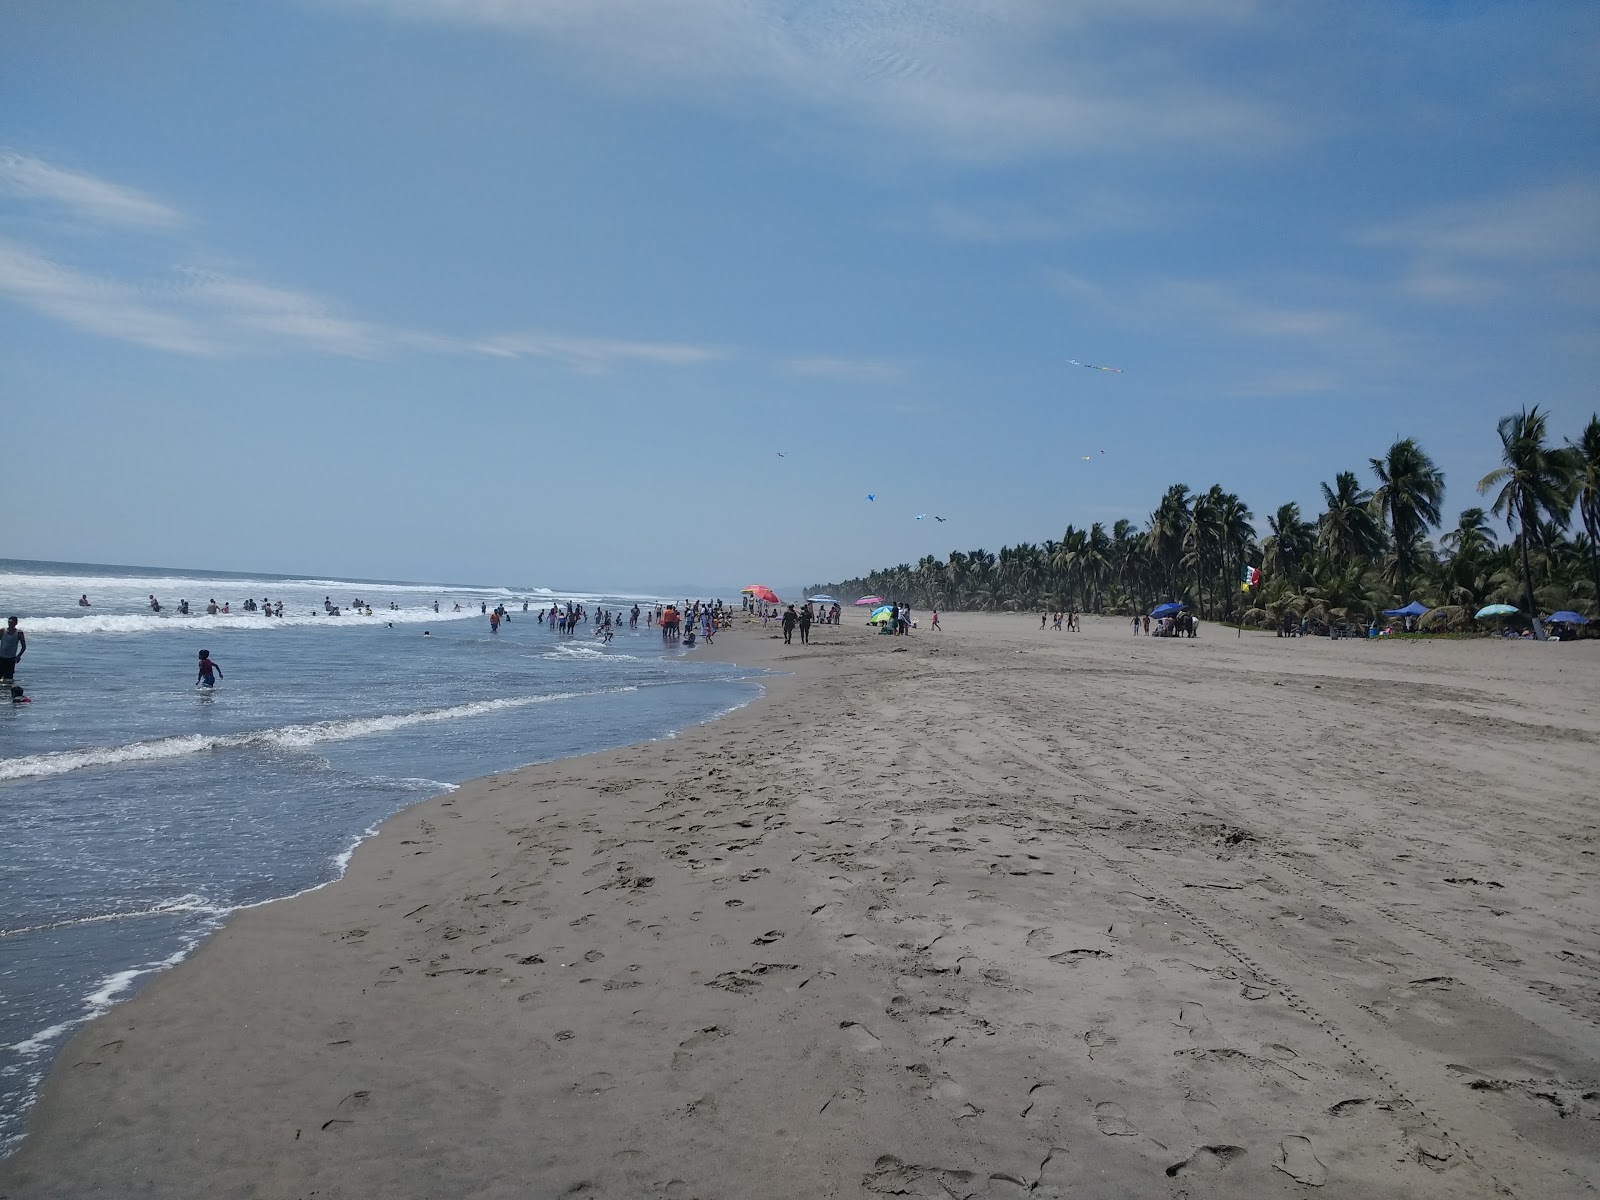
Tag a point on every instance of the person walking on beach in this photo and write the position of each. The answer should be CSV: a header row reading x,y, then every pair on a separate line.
x,y
805,625
209,671
790,620
13,645
935,623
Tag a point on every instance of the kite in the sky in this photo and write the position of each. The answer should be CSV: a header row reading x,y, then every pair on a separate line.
x,y
1090,366
870,496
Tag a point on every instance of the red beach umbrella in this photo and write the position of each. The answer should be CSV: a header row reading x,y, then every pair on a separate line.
x,y
763,593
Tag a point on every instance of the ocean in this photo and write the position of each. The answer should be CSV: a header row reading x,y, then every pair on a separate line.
x,y
137,811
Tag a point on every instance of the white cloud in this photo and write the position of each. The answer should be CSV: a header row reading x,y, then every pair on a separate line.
x,y
866,370
593,355
1287,383
1007,79
1095,210
87,195
284,315
1544,240
105,307
1203,303
1552,222
206,313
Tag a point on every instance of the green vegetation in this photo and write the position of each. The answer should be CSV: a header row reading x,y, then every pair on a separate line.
x,y
1369,549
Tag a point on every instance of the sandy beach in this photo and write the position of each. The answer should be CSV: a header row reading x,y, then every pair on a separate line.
x,y
997,912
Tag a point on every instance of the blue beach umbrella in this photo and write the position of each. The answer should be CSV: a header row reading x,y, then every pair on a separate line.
x,y
880,615
1494,610
821,600
1568,617
1415,609
1167,609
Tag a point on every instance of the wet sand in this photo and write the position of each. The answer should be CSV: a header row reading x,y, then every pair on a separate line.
x,y
994,913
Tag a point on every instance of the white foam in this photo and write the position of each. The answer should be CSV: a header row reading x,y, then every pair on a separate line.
x,y
34,766
104,995
76,585
200,622
190,903
568,650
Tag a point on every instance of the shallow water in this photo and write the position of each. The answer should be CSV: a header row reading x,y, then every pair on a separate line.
x,y
138,811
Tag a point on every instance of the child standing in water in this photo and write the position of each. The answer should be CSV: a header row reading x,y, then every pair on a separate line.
x,y
209,671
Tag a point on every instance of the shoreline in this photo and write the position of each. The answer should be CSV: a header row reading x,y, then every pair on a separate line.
x,y
926,914
108,991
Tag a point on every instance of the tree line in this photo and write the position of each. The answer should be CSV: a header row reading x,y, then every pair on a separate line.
x,y
1372,547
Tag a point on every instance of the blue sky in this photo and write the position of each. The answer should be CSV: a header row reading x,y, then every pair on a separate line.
x,y
537,290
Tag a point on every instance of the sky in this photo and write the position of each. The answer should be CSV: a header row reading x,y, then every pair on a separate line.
x,y
642,294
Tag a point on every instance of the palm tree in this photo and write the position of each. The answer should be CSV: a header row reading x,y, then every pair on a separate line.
x,y
1167,525
1237,535
1348,532
1586,450
1202,539
1472,535
1291,543
1410,490
1534,478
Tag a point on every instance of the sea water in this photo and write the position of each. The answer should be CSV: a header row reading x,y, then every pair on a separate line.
x,y
137,811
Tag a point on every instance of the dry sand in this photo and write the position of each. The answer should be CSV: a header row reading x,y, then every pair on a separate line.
x,y
994,913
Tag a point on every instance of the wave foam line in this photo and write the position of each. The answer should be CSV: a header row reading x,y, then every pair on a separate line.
x,y
196,622
182,904
59,762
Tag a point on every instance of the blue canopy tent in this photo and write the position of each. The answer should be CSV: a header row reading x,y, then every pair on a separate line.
x,y
1415,609
1167,609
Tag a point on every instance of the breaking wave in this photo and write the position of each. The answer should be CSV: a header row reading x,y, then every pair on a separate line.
x,y
34,766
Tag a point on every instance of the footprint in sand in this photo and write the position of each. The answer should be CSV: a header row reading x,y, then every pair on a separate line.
x,y
345,1111
1298,1160
1098,1039
1043,1101
1212,1158
1112,1120
861,1038
1192,1017
1071,958
767,938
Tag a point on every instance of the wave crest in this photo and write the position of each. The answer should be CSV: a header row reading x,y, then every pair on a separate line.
x,y
59,762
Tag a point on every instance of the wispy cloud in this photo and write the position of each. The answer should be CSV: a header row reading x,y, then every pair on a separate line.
x,y
184,309
594,355
197,312
1225,307
86,195
866,370
1471,252
1093,211
1287,384
964,80
100,306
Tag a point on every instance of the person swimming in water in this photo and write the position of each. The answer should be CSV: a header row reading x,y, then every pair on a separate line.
x,y
210,672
